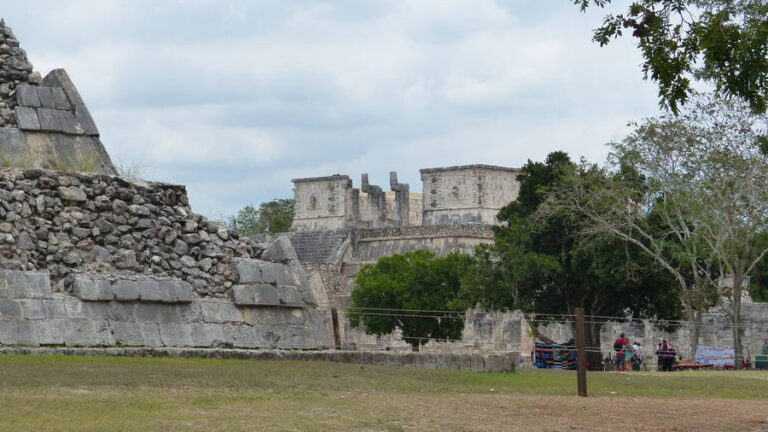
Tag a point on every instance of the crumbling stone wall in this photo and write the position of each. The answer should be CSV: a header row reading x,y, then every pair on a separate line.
x,y
369,245
44,123
95,260
15,69
68,222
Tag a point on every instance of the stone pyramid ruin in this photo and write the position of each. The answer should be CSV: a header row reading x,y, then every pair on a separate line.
x,y
44,122
88,258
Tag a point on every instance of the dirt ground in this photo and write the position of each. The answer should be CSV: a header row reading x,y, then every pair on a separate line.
x,y
567,414
81,394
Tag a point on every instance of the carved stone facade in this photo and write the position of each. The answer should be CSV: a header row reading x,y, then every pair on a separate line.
x,y
461,195
338,228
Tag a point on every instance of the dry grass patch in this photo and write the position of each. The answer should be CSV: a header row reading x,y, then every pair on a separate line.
x,y
123,394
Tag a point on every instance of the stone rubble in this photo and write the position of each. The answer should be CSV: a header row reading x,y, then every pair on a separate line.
x,y
15,69
67,223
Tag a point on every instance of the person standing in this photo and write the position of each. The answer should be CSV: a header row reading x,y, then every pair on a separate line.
x,y
667,354
618,347
639,358
629,356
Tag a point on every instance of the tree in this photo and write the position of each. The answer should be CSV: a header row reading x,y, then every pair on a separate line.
x,y
704,184
271,216
415,292
540,264
723,42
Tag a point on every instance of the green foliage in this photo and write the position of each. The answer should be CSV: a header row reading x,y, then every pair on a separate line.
x,y
540,263
400,286
723,42
271,216
758,286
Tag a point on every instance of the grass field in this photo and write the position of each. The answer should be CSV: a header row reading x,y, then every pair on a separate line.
x,y
56,393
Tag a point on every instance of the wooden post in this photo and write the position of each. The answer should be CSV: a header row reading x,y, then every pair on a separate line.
x,y
581,355
335,323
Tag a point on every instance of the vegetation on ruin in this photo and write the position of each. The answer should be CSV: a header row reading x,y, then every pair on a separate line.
x,y
723,43
57,393
130,170
414,292
273,216
86,161
7,160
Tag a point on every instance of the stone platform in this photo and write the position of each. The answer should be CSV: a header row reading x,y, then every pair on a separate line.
x,y
488,362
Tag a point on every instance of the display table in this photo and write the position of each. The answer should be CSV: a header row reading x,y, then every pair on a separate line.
x,y
691,366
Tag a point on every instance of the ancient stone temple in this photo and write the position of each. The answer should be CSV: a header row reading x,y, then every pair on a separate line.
x,y
88,258
338,228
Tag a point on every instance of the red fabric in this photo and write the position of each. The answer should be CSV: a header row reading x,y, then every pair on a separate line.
x,y
622,341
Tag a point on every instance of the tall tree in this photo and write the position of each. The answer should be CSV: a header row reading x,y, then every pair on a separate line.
x,y
414,292
704,183
541,264
722,42
271,216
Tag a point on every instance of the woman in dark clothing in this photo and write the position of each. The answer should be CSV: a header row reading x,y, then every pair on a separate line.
x,y
667,356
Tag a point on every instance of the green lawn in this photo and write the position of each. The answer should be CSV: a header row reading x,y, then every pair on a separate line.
x,y
59,393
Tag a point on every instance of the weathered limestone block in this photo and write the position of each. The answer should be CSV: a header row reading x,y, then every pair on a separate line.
x,y
243,295
173,334
261,316
127,333
9,309
288,295
32,309
265,295
55,307
210,335
26,118
182,291
85,289
125,290
45,97
301,338
104,289
294,317
280,251
215,311
15,284
150,290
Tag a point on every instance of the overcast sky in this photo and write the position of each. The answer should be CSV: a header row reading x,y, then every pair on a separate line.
x,y
236,98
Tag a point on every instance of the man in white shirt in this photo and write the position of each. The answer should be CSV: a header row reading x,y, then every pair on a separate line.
x,y
639,358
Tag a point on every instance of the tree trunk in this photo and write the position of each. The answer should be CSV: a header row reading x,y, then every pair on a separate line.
x,y
736,320
696,318
592,342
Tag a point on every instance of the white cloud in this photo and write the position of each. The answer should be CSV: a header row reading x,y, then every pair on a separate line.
x,y
237,97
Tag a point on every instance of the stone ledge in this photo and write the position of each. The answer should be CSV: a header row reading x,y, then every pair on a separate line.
x,y
145,289
497,362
